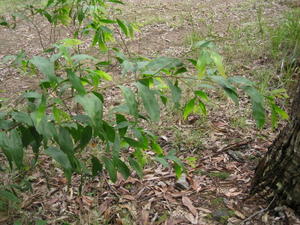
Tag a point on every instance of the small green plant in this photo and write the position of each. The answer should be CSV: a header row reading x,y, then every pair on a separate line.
x,y
70,110
191,161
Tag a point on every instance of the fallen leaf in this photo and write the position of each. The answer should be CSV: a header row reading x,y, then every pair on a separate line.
x,y
145,213
103,207
188,203
192,219
239,214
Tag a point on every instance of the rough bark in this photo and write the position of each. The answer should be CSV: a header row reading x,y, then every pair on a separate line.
x,y
279,170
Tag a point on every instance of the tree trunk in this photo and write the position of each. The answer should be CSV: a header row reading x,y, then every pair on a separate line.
x,y
279,170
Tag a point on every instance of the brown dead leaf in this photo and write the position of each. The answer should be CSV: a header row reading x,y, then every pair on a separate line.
x,y
192,219
204,210
88,201
128,197
239,214
103,207
145,213
170,199
232,192
188,203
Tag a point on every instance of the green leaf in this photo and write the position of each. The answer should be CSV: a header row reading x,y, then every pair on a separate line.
x,y
86,136
45,66
176,92
70,42
130,100
32,95
202,95
60,115
203,44
96,166
92,106
178,170
240,80
22,117
120,119
202,63
258,110
133,143
103,75
81,57
123,27
227,87
158,64
15,145
76,82
188,108
44,127
156,148
65,141
174,158
122,167
218,61
116,1
62,159
281,112
202,107
136,166
110,169
162,161
149,101
109,131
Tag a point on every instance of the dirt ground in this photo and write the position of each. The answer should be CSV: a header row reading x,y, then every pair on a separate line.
x,y
226,144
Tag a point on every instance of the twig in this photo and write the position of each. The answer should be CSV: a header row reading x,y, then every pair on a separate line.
x,y
258,212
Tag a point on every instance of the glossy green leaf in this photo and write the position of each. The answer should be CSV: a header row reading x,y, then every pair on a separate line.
x,y
188,108
202,95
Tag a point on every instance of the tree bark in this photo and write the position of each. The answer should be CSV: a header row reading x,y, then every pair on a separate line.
x,y
279,170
